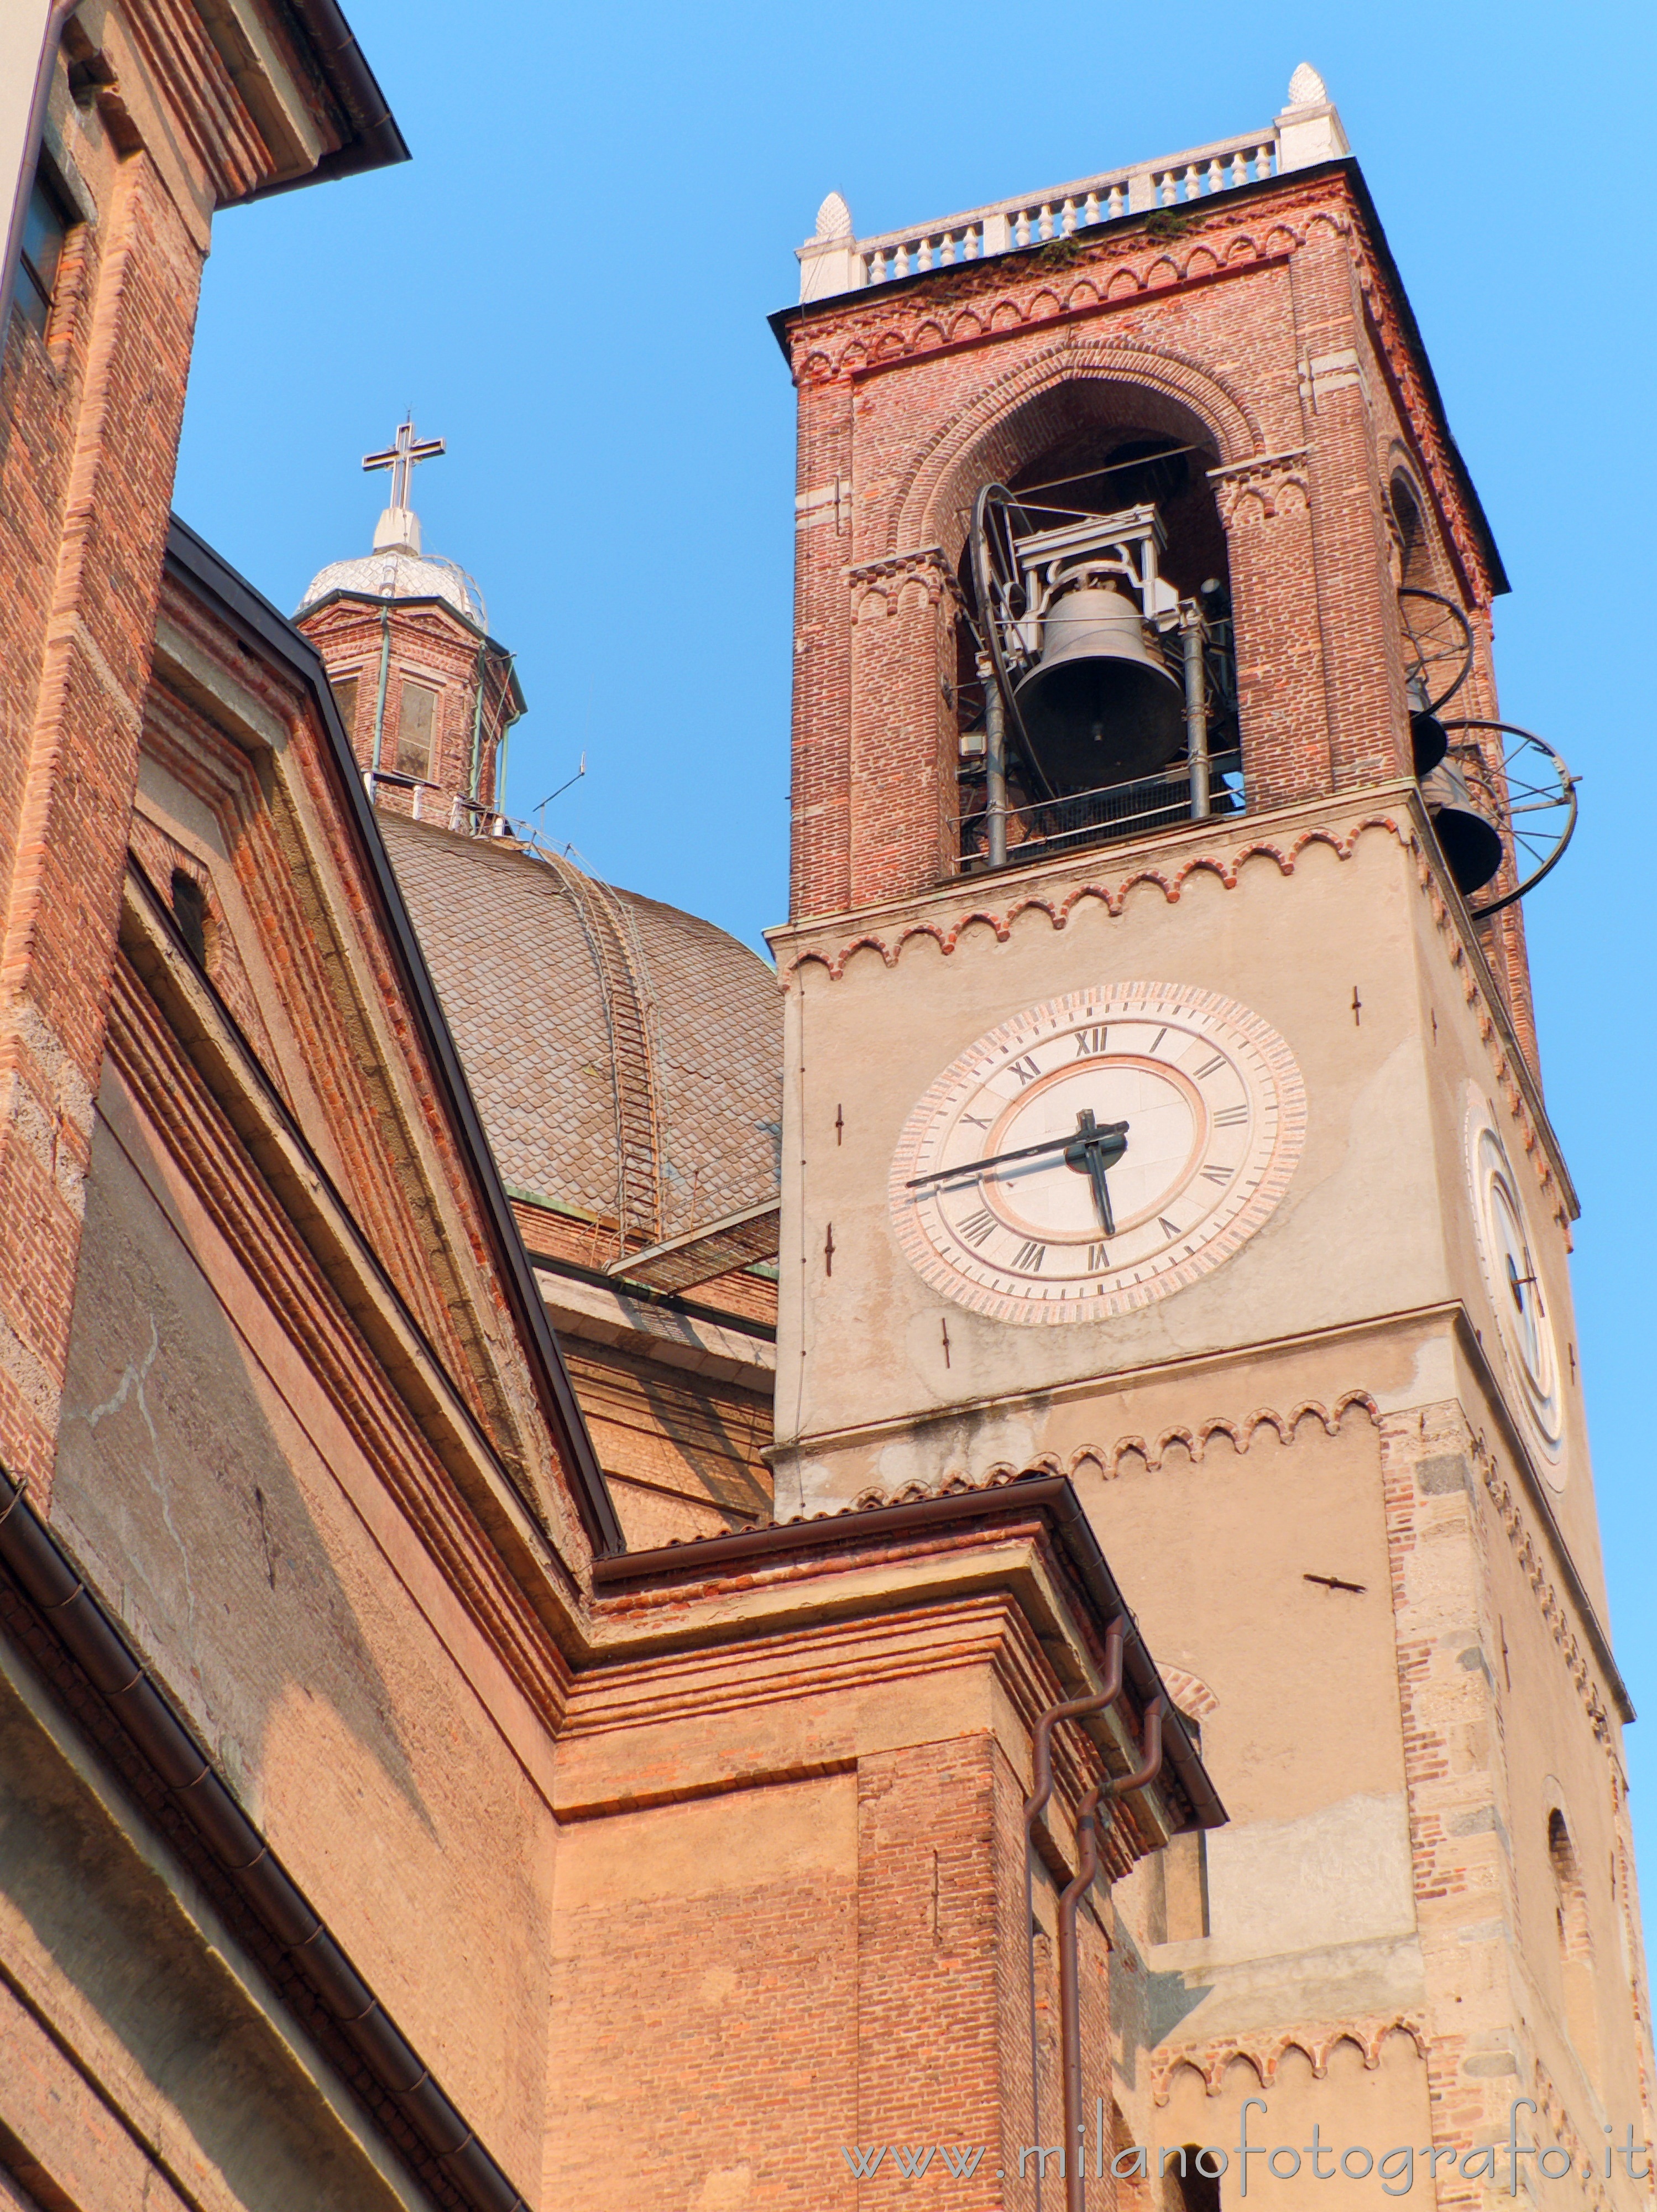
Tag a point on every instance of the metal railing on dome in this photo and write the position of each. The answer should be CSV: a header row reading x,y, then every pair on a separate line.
x,y
469,817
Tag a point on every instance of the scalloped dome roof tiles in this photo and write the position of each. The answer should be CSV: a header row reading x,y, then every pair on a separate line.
x,y
396,575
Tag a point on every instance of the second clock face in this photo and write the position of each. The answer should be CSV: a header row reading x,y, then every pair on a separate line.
x,y
1513,1281
1097,1152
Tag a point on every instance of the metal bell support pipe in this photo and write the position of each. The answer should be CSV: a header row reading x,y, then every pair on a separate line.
x,y
1196,713
1036,1804
995,771
1070,1975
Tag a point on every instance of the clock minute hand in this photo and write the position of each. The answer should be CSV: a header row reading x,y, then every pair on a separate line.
x,y
972,1168
1110,1138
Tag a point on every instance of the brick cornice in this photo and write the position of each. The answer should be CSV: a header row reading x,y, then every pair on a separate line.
x,y
1264,478
1127,263
294,940
981,302
1315,2041
202,106
960,1604
1417,413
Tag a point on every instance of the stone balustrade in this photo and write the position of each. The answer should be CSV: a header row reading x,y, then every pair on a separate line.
x,y
834,261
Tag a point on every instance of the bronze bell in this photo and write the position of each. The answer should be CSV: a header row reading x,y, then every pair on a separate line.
x,y
1428,741
1099,706
1471,845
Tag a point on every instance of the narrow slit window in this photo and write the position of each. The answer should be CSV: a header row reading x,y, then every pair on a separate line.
x,y
416,724
190,912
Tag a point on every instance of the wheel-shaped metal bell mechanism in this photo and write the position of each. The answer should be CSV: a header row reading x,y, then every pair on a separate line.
x,y
1099,706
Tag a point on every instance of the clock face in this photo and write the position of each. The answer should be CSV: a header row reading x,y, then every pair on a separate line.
x,y
1097,1152
1511,1276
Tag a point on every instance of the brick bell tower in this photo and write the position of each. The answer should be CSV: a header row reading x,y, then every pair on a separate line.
x,y
427,696
1163,1109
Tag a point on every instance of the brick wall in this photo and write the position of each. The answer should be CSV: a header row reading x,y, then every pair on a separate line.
x,y
93,412
1261,331
421,643
156,136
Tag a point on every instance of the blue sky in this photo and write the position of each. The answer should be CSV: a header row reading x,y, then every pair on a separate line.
x,y
569,284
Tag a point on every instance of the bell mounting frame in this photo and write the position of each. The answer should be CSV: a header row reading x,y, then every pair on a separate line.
x,y
1530,779
1003,603
1020,567
1438,646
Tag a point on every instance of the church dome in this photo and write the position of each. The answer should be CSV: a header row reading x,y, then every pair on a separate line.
x,y
625,1056
398,573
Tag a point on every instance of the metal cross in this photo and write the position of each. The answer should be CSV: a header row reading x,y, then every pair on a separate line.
x,y
400,458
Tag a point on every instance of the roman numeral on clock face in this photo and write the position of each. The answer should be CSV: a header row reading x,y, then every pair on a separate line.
x,y
1166,1225
977,1226
1231,1117
1216,1174
1089,1043
1098,1260
1026,1070
1209,1066
1029,1256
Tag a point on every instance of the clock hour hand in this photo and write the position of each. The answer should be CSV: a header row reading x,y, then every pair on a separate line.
x,y
1091,1152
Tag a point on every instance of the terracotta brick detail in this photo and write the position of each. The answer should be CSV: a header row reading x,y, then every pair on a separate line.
x,y
1265,337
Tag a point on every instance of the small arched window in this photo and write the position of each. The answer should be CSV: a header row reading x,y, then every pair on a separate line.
x,y
1414,548
1186,2185
1571,1904
1575,1941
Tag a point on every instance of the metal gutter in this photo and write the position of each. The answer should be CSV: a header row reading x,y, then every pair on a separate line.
x,y
1051,1495
243,609
82,1629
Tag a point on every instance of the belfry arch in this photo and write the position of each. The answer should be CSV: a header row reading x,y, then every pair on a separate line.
x,y
1010,422
1071,455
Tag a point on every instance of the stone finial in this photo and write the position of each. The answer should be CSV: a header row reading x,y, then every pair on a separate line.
x,y
829,262
834,219
1305,88
1308,129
